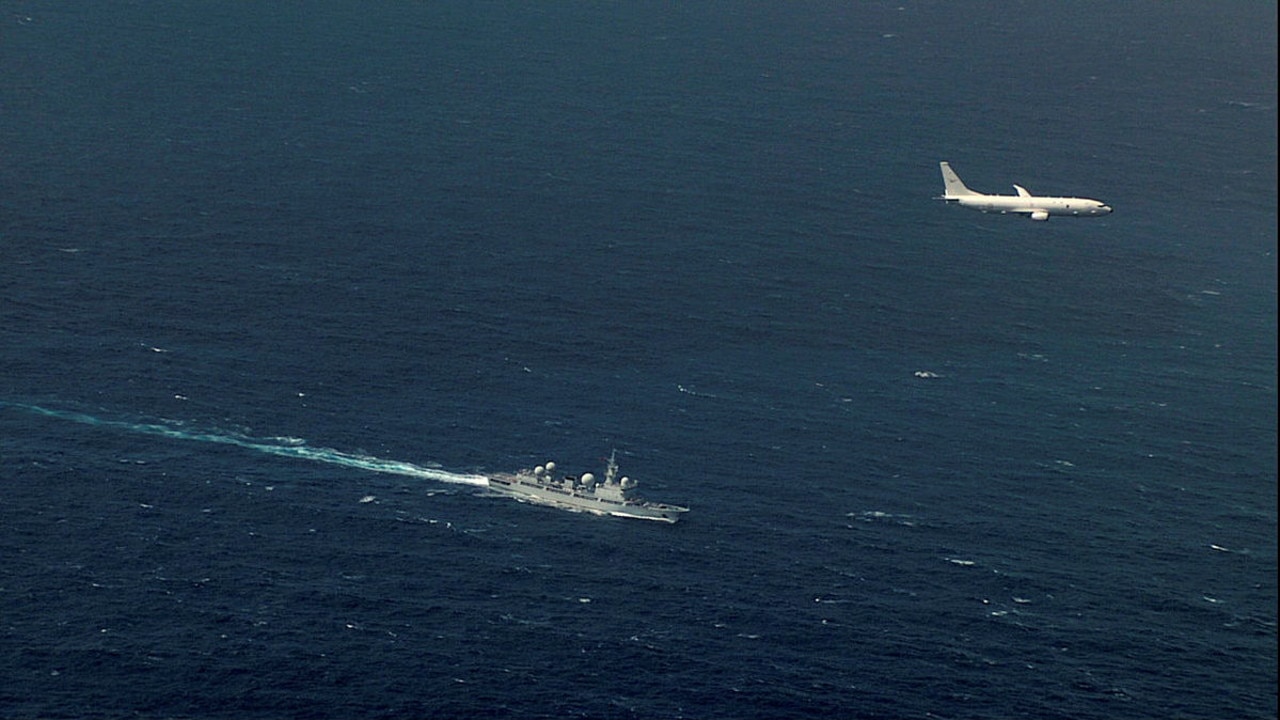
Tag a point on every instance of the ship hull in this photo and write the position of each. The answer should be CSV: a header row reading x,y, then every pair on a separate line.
x,y
539,494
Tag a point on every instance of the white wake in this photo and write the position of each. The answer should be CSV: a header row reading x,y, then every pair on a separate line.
x,y
281,446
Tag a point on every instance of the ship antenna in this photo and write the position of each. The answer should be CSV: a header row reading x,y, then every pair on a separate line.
x,y
611,469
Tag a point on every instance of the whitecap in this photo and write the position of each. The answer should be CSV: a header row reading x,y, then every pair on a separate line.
x,y
694,393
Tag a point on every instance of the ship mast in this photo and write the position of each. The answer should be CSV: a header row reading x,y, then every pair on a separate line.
x,y
611,470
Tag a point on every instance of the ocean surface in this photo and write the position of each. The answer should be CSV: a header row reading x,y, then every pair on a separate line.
x,y
281,282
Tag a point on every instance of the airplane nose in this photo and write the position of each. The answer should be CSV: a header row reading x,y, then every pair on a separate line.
x,y
1105,209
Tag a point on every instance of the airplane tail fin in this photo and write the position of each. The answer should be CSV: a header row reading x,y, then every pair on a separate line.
x,y
952,182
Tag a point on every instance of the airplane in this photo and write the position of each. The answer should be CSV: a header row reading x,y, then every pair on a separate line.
x,y
1024,203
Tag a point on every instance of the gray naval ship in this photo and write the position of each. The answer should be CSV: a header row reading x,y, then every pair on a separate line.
x,y
611,496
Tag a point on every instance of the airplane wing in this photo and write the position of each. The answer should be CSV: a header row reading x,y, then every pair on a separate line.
x,y
1022,192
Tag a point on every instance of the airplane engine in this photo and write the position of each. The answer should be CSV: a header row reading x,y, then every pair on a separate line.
x,y
1040,215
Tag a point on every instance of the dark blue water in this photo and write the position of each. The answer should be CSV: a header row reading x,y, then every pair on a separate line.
x,y
279,279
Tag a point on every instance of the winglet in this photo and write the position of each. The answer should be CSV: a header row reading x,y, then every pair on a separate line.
x,y
1022,192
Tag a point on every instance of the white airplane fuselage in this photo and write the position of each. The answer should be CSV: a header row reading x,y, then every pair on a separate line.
x,y
1024,203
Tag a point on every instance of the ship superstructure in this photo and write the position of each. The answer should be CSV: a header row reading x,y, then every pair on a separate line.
x,y
611,495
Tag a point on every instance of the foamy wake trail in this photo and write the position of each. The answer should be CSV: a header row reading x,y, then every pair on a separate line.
x,y
284,447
